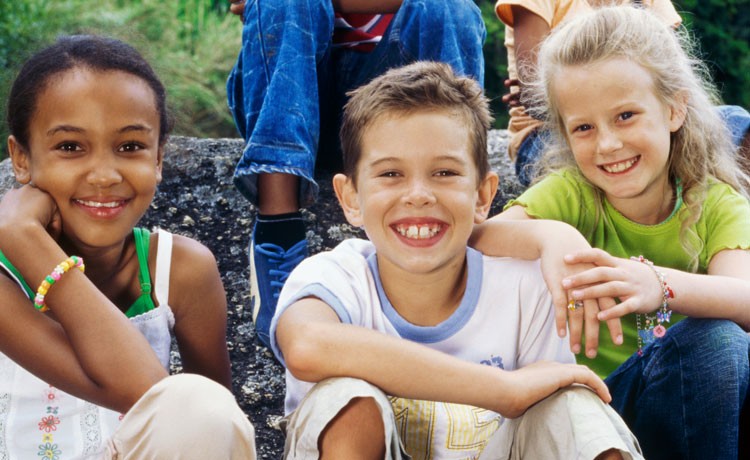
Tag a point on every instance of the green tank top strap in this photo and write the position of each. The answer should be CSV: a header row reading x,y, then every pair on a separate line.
x,y
143,303
13,272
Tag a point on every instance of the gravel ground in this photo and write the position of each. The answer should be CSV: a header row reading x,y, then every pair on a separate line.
x,y
197,199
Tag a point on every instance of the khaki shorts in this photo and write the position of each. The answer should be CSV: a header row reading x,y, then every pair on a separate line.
x,y
184,417
572,423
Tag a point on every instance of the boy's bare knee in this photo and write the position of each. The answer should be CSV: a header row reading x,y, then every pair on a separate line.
x,y
611,454
357,431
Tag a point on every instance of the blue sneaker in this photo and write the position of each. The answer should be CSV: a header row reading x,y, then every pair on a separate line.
x,y
270,266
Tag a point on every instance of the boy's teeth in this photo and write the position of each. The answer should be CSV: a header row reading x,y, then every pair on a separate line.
x,y
418,232
619,167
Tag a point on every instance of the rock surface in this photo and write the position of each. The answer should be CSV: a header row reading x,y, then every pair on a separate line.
x,y
196,198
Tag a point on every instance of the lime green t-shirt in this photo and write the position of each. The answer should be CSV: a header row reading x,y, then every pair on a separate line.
x,y
724,224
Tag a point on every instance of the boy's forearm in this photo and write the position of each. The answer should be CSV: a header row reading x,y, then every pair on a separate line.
x,y
406,369
397,366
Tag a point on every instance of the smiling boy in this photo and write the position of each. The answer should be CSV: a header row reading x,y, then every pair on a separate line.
x,y
412,343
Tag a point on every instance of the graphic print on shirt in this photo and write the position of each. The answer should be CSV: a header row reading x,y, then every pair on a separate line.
x,y
430,429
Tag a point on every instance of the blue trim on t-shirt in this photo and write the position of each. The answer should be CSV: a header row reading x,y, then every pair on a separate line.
x,y
446,329
328,297
313,290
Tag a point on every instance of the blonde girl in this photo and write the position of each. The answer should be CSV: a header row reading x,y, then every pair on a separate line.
x,y
91,302
643,167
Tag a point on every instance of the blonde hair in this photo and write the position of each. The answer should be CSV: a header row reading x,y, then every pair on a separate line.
x,y
699,150
420,86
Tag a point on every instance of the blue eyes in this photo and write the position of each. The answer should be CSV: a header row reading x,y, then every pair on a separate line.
x,y
624,116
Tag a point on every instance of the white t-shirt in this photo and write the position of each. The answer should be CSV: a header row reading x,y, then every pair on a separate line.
x,y
505,319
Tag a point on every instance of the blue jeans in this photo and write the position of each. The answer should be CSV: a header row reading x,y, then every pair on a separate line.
x,y
529,151
683,397
289,84
736,118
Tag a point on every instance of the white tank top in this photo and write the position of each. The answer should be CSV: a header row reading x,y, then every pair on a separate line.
x,y
37,419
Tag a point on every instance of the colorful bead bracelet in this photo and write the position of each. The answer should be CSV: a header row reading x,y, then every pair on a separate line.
x,y
49,280
652,327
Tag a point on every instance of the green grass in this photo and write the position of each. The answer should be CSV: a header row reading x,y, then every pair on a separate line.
x,y
192,44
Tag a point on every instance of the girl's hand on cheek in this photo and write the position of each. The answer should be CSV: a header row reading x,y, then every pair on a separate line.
x,y
28,205
632,282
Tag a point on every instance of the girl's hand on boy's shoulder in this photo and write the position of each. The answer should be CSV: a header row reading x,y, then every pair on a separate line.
x,y
29,205
634,283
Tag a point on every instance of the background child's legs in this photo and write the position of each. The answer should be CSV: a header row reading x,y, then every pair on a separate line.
x,y
528,154
571,423
683,397
738,123
434,30
184,417
329,407
271,91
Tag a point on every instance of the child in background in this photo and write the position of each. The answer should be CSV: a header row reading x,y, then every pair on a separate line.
x,y
527,23
88,125
286,93
413,340
643,168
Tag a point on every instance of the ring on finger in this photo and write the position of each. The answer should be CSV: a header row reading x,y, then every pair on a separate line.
x,y
574,305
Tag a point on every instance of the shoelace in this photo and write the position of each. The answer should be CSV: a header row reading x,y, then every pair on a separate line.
x,y
279,275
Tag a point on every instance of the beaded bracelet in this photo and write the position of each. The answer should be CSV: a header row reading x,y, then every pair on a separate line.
x,y
654,327
49,280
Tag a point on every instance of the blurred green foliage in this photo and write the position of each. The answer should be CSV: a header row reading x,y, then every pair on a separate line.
x,y
193,45
723,30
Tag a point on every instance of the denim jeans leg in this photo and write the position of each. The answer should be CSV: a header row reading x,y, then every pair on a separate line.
x,y
737,120
452,32
529,152
437,30
683,397
272,93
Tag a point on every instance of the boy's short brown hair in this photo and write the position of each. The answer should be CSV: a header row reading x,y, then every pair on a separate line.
x,y
420,86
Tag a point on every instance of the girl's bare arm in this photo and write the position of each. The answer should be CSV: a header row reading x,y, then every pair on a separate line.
x,y
198,300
